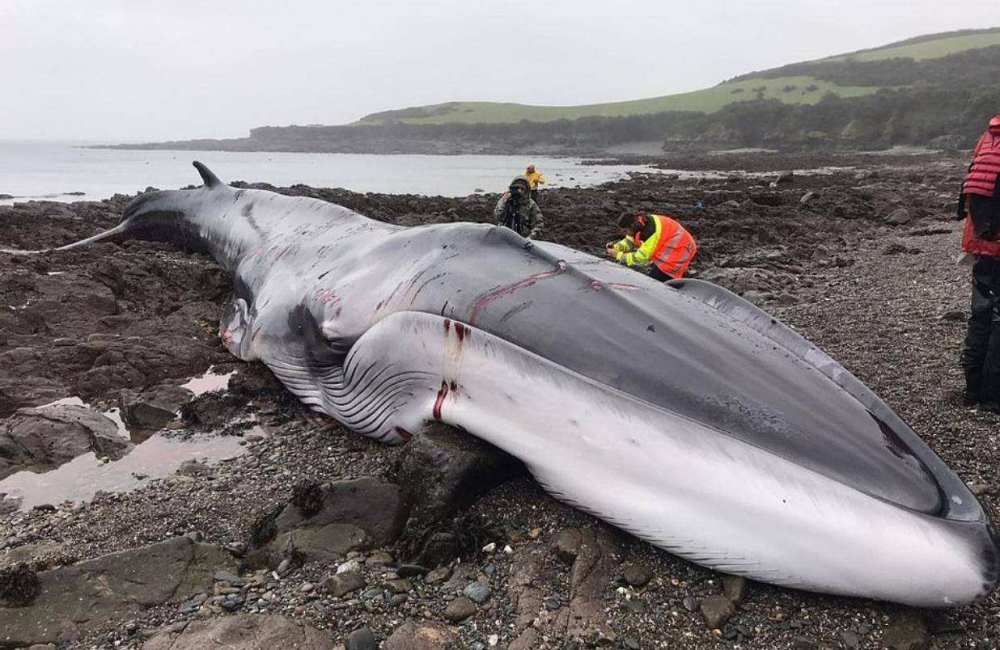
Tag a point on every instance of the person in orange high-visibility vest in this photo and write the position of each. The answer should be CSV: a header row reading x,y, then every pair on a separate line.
x,y
653,242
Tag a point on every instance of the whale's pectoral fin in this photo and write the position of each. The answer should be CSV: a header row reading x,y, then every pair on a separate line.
x,y
234,329
208,178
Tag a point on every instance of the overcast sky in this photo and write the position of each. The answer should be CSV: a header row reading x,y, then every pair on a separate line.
x,y
143,70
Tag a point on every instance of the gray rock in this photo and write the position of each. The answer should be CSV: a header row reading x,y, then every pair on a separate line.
x,y
528,640
850,639
420,636
19,586
400,586
443,471
735,588
979,489
362,639
244,632
807,197
459,609
147,412
637,575
379,558
717,610
568,544
40,439
351,515
908,632
785,178
118,585
478,592
341,584
691,603
438,575
899,217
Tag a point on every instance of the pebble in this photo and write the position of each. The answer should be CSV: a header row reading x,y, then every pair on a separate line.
x,y
735,588
568,544
459,609
351,566
411,570
379,558
437,575
478,592
400,586
716,610
637,575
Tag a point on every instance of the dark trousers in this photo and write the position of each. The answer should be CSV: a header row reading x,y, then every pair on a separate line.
x,y
657,274
981,352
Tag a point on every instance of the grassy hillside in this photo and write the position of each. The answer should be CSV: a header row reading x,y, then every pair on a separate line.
x,y
790,90
923,48
804,83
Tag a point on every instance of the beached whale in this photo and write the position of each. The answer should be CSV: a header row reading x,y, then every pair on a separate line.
x,y
680,413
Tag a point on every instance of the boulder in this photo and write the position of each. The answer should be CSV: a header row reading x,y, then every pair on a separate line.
x,y
443,471
243,632
73,599
146,412
341,584
421,636
328,522
40,439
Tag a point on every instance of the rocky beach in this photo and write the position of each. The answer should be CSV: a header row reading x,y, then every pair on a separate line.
x,y
298,532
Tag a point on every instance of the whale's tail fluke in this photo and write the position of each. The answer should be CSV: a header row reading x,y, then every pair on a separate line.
x,y
207,177
101,236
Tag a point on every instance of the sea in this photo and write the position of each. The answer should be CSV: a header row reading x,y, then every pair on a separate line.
x,y
60,171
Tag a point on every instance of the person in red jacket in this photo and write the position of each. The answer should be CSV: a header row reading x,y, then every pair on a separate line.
x,y
980,206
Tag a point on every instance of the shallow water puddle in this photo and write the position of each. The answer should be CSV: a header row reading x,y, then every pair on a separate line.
x,y
157,457
210,382
82,477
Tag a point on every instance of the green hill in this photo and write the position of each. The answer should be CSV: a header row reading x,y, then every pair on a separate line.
x,y
934,90
801,83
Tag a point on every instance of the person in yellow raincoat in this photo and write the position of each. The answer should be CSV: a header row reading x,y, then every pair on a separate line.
x,y
535,178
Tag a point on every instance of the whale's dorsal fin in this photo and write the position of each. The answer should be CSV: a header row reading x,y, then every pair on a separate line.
x,y
207,177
